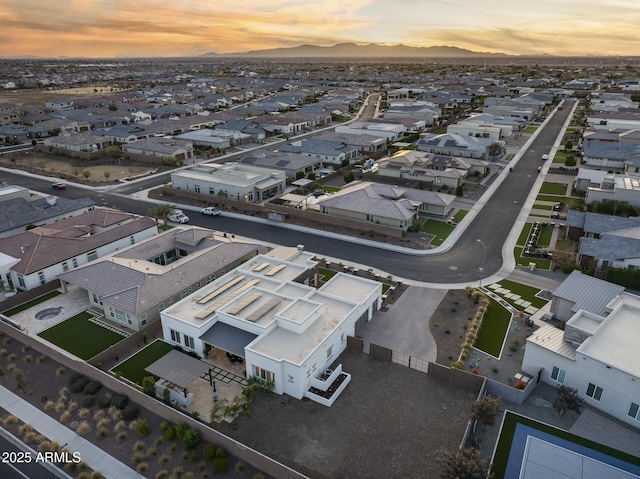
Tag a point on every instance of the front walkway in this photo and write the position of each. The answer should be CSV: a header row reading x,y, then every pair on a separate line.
x,y
96,458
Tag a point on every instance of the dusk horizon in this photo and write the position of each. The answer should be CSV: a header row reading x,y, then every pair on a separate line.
x,y
98,29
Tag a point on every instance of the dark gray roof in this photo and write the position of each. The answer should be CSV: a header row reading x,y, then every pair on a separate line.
x,y
619,245
610,150
228,337
135,291
178,368
587,293
18,212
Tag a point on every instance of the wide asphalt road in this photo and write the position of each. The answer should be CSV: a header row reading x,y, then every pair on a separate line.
x,y
17,470
458,265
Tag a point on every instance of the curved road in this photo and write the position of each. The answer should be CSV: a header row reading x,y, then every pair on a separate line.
x,y
460,264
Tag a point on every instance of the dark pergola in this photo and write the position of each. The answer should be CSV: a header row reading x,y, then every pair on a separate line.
x,y
180,369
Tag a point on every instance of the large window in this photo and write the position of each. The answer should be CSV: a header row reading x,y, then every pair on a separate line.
x,y
634,411
175,335
21,281
264,374
41,277
558,374
188,341
594,392
91,255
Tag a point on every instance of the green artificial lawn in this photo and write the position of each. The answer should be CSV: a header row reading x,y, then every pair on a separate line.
x,y
553,189
542,207
460,215
524,234
330,189
560,157
530,129
493,330
540,216
510,156
528,293
385,287
545,236
133,368
33,302
326,273
521,261
556,199
80,336
439,229
511,420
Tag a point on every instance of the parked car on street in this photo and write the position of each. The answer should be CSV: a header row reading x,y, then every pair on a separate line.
x,y
178,217
210,210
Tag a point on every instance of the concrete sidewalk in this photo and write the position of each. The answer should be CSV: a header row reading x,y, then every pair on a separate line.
x,y
95,457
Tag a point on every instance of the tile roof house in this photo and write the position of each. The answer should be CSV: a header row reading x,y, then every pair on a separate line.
x,y
386,205
161,147
19,212
330,152
48,251
290,163
133,285
454,145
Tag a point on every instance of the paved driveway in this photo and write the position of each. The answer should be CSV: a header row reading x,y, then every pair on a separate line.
x,y
405,327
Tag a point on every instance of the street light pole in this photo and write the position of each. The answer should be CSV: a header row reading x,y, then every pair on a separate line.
x,y
484,254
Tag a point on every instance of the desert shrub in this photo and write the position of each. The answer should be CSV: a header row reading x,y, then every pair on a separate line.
x,y
92,387
209,452
129,412
120,426
104,422
83,428
164,459
96,475
122,435
239,467
191,439
114,414
98,415
181,429
60,371
102,433
193,456
164,474
88,400
49,406
120,401
24,429
142,468
142,427
65,417
41,359
168,431
105,400
77,382
221,452
139,446
137,458
221,465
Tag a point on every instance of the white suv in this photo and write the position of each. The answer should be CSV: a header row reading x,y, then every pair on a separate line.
x,y
179,217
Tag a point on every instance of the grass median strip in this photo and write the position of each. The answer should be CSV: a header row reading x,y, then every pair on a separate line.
x,y
495,325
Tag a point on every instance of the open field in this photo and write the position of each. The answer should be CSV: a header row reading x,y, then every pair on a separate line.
x,y
41,96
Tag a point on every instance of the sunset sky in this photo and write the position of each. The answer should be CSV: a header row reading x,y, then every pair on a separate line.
x,y
111,28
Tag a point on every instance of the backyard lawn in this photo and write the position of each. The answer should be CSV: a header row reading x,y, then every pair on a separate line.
x,y
560,157
326,273
530,129
557,199
495,325
553,189
133,368
80,336
33,302
330,189
537,206
439,229
528,293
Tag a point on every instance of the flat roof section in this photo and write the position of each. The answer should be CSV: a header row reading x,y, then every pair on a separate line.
x,y
616,341
350,287
257,306
282,344
552,338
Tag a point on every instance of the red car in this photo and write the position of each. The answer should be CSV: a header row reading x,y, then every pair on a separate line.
x,y
59,186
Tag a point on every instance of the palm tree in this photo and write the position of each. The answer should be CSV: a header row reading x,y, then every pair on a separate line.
x,y
495,148
163,210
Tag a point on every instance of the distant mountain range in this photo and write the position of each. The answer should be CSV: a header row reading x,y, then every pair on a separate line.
x,y
351,50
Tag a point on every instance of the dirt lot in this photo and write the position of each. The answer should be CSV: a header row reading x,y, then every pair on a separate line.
x,y
390,422
73,169
447,324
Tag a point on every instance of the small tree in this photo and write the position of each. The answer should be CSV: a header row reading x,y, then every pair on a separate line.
x,y
311,176
86,174
349,177
299,175
163,211
570,161
567,400
495,148
149,386
568,145
486,409
464,464
459,190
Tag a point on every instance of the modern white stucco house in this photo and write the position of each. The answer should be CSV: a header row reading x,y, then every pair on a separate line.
x,y
268,312
233,180
595,354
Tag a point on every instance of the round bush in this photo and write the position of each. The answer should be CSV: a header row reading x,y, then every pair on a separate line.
x,y
78,383
105,400
88,400
120,401
92,387
221,465
130,412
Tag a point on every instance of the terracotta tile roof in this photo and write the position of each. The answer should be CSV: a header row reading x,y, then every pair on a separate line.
x,y
46,246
